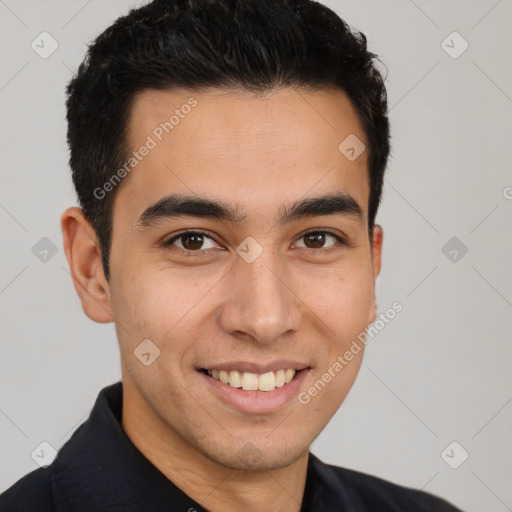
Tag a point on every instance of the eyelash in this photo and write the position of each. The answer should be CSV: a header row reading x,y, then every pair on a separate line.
x,y
204,252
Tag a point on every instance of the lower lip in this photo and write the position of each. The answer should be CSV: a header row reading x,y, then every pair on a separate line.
x,y
255,402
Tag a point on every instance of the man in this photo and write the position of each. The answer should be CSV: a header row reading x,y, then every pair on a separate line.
x,y
228,157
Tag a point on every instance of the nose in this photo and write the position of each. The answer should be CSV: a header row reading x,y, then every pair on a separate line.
x,y
262,303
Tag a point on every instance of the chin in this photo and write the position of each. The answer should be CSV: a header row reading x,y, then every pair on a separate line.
x,y
259,456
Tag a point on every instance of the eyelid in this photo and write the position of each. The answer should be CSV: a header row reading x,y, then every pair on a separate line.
x,y
343,241
168,242
327,231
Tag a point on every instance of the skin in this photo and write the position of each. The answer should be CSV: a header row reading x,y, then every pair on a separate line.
x,y
259,152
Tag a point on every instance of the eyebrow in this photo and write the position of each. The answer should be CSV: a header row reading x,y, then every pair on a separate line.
x,y
179,205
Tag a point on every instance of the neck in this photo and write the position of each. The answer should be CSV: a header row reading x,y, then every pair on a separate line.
x,y
214,486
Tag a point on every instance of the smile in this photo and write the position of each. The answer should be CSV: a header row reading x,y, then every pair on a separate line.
x,y
262,390
248,381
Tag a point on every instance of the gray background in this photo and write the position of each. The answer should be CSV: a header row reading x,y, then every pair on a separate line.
x,y
438,373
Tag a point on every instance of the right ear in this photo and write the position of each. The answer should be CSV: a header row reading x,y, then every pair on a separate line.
x,y
84,259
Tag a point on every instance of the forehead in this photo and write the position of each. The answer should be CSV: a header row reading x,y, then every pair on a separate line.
x,y
239,119
258,148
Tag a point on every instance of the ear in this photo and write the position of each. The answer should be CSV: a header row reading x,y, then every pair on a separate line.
x,y
84,258
377,239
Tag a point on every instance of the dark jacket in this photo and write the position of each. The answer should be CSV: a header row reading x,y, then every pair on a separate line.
x,y
99,469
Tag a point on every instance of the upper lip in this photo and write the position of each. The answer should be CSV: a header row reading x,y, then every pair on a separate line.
x,y
251,367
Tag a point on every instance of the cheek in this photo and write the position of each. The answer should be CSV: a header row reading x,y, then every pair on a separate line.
x,y
162,304
341,298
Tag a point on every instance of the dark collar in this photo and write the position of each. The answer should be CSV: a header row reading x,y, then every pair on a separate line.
x,y
100,469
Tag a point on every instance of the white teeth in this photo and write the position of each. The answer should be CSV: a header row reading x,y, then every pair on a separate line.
x,y
279,380
249,381
288,375
253,381
266,381
235,379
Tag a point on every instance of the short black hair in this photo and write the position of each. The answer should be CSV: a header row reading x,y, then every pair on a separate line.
x,y
255,45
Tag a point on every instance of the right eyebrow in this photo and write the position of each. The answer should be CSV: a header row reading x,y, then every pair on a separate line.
x,y
178,205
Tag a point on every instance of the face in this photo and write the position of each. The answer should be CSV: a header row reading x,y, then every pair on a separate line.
x,y
256,298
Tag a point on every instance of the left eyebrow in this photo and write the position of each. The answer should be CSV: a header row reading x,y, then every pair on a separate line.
x,y
179,205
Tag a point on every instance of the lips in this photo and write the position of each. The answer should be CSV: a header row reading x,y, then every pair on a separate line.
x,y
255,376
263,395
259,368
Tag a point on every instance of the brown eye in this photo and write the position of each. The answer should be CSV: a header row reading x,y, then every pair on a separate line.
x,y
190,241
317,239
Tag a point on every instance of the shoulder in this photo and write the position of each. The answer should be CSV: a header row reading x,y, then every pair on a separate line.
x,y
29,494
379,494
